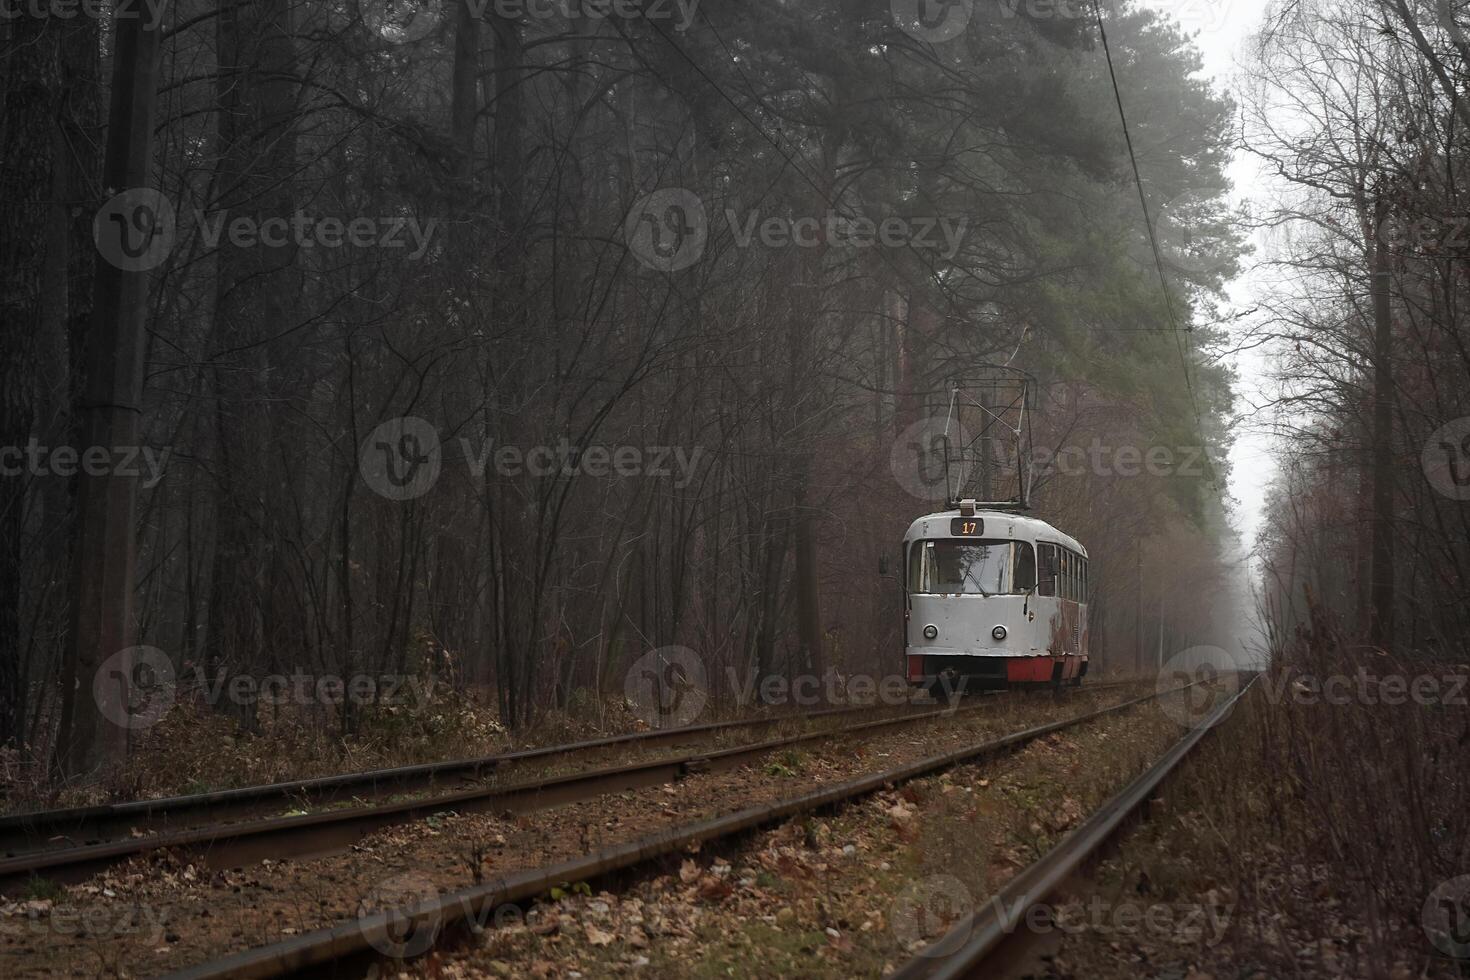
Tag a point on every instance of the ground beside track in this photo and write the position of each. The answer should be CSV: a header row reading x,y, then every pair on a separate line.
x,y
157,914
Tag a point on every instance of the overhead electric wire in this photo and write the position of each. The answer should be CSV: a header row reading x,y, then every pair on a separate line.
x,y
1153,240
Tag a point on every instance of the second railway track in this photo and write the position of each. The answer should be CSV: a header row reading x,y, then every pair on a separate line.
x,y
339,948
233,844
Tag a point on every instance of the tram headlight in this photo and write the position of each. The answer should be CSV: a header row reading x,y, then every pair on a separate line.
x,y
999,633
931,631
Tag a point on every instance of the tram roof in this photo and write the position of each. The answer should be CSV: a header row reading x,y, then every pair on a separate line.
x,y
998,524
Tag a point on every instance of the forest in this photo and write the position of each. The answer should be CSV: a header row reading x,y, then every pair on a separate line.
x,y
500,344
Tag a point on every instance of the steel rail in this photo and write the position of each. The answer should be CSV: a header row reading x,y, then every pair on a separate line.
x,y
230,845
22,833
118,819
312,951
963,949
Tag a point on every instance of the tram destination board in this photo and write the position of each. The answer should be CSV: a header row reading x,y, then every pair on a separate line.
x,y
966,527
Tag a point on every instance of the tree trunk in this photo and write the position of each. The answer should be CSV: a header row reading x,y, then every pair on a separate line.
x,y
102,623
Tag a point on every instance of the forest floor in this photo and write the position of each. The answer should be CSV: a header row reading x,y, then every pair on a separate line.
x,y
1235,876
160,913
851,894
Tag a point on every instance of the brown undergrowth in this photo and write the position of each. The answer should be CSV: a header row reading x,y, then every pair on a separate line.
x,y
1328,814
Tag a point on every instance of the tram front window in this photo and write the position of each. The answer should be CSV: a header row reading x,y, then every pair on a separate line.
x,y
951,566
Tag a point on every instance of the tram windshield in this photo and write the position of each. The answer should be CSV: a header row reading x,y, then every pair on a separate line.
x,y
949,566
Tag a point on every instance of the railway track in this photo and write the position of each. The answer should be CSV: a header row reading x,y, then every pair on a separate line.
x,y
350,943
23,832
221,844
990,934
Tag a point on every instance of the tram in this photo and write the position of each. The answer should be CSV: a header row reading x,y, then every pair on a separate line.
x,y
993,599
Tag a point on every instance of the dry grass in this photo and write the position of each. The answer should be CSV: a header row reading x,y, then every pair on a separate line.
x,y
1325,825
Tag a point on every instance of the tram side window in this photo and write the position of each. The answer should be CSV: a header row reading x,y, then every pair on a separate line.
x,y
1085,583
1048,556
1025,568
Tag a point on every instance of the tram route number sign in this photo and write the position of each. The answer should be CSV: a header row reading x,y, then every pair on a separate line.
x,y
966,527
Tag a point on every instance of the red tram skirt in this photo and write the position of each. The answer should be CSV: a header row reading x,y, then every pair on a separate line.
x,y
1018,669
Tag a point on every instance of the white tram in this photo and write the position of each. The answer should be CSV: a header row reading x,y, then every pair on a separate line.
x,y
993,598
